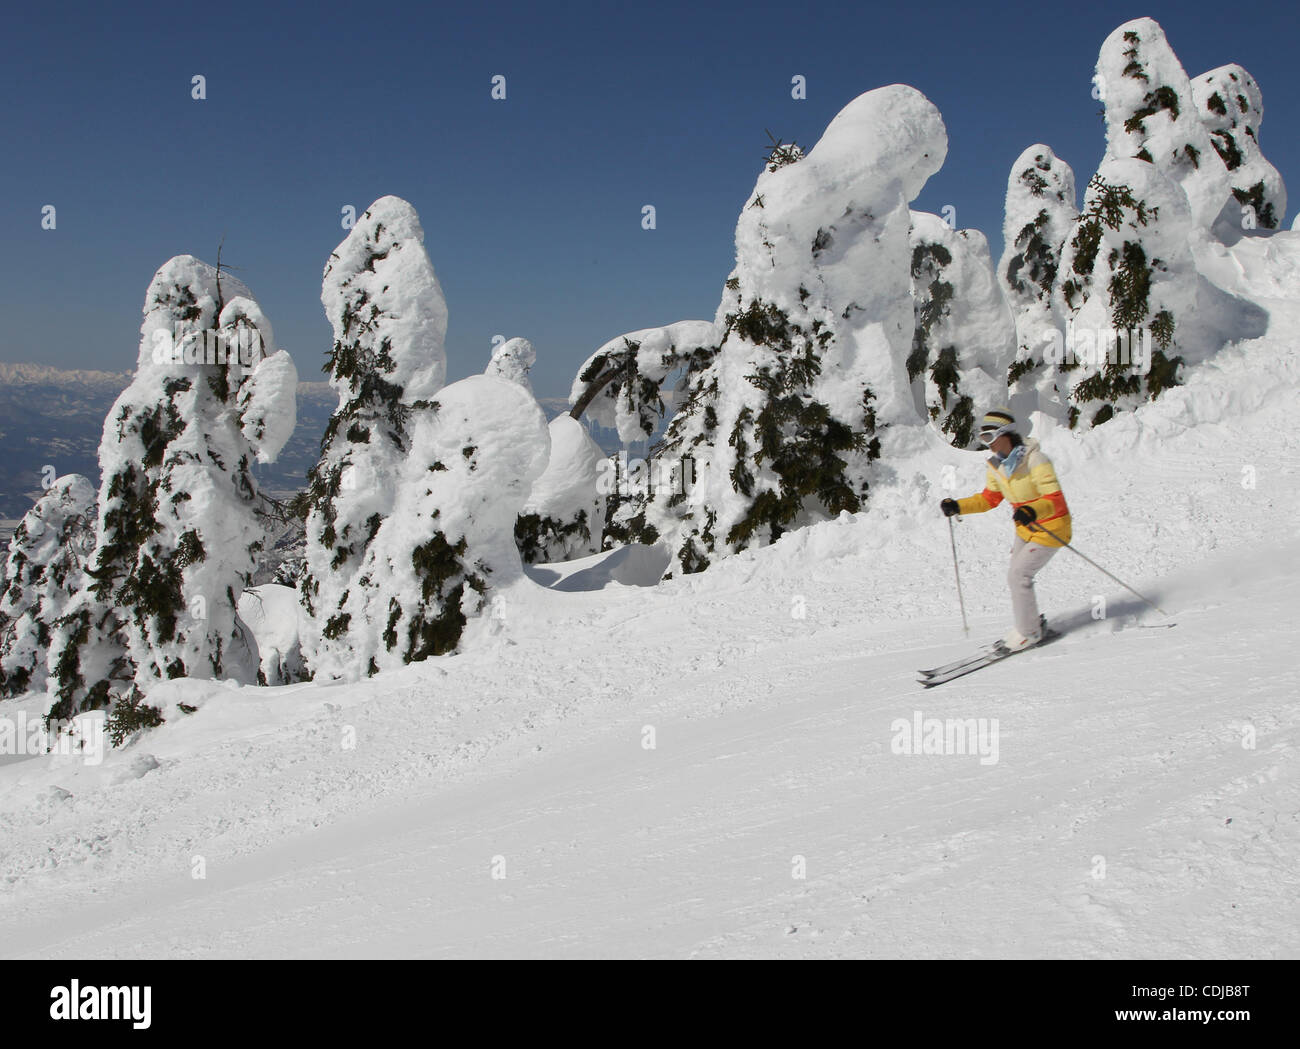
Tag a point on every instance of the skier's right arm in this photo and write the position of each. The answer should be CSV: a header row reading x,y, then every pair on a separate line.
x,y
981,501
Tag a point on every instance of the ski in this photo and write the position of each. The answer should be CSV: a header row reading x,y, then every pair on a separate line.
x,y
978,662
956,663
987,650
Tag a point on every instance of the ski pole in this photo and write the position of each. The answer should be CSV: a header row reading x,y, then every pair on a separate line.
x,y
1039,528
952,538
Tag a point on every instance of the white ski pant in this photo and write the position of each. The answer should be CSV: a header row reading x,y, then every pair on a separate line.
x,y
1026,560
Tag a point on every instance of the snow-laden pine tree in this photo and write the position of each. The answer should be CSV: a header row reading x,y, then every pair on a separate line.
x,y
1040,215
45,567
629,385
1151,115
1129,264
512,360
388,314
624,385
816,325
1231,106
178,529
564,516
963,343
1128,288
438,559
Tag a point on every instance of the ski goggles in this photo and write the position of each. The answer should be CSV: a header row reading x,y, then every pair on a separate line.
x,y
990,434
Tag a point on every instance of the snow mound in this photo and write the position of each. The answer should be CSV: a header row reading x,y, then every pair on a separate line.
x,y
271,612
567,499
635,564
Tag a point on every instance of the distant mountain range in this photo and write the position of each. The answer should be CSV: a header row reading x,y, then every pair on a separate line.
x,y
53,416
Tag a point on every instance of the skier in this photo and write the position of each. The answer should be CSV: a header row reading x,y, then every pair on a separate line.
x,y
1019,471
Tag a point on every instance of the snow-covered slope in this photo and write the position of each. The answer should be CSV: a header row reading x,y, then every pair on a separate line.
x,y
369,819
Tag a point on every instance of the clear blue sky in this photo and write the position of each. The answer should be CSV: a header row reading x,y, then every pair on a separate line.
x,y
531,207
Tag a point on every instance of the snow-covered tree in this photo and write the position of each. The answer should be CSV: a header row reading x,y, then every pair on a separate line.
x,y
564,516
963,342
511,360
1231,106
630,384
623,385
389,317
1040,215
1128,280
1152,115
178,529
1128,267
450,540
45,568
816,323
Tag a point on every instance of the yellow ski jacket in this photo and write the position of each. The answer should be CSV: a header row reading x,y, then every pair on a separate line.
x,y
1033,484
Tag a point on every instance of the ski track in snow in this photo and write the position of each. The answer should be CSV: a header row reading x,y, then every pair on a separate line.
x,y
773,741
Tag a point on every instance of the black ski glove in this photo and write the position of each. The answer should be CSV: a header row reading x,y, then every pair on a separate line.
x,y
1024,515
949,507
